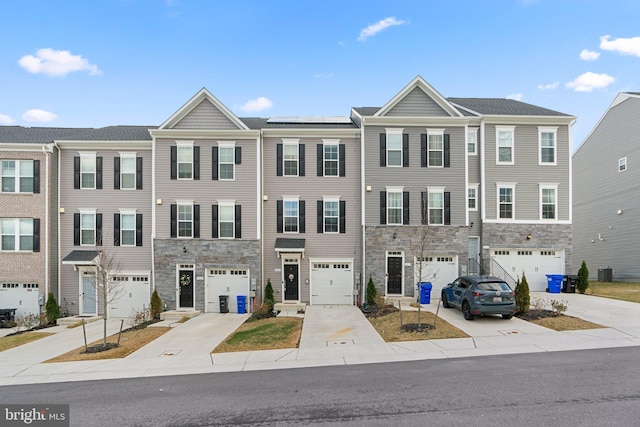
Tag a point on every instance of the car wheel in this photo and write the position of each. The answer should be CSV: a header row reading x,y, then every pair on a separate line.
x,y
507,316
445,301
466,311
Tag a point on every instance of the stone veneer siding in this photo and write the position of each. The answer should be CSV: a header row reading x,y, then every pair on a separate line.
x,y
168,253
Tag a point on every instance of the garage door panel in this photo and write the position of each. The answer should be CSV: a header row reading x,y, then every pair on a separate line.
x,y
535,264
331,283
439,270
134,296
21,296
226,281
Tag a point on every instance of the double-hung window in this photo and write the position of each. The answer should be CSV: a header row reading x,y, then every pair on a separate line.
x,y
331,216
127,228
291,215
290,159
394,147
548,201
17,234
472,197
436,206
622,164
226,220
505,151
394,207
87,228
472,141
506,201
17,176
88,171
547,142
435,147
185,162
226,153
185,220
128,172
331,159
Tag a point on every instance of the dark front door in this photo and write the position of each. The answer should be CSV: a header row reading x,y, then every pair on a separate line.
x,y
291,282
185,278
394,275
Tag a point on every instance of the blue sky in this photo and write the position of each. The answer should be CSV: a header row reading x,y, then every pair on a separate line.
x,y
100,63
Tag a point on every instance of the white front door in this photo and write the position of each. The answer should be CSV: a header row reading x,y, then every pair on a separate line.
x,y
89,293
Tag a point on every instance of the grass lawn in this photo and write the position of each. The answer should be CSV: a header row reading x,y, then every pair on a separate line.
x,y
566,323
388,326
265,334
15,340
130,341
625,291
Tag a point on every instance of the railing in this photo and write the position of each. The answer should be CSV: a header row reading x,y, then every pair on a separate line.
x,y
498,271
473,267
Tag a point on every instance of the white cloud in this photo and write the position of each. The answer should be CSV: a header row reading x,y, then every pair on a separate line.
x,y
383,24
589,55
56,63
549,86
324,76
258,104
5,120
515,96
37,115
588,81
629,46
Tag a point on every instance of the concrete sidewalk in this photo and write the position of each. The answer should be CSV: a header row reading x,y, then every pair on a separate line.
x,y
332,335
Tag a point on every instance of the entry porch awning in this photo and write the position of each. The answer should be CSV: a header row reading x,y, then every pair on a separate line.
x,y
286,245
78,257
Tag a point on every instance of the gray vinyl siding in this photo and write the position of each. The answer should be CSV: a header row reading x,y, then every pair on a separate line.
x,y
108,202
311,188
600,191
205,116
415,178
205,191
417,103
527,173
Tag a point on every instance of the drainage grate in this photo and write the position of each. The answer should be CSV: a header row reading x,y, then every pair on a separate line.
x,y
171,352
339,342
510,332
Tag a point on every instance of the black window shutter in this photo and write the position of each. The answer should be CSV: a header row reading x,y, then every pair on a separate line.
x,y
279,216
320,205
76,172
424,207
174,220
423,150
301,216
98,173
320,159
116,229
214,221
76,229
279,159
138,229
174,162
116,173
238,155
383,149
36,177
301,159
138,173
405,207
36,234
343,216
238,220
214,162
383,207
447,156
341,160
98,229
447,208
196,221
196,162
405,150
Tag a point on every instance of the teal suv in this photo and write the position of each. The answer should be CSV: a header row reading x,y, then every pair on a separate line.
x,y
480,295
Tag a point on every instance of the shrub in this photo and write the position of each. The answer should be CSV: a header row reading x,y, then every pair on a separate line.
x,y
269,300
372,292
139,317
264,311
156,305
522,295
583,278
26,322
559,306
52,309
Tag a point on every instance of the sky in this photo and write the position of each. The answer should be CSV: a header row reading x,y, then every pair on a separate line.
x,y
136,62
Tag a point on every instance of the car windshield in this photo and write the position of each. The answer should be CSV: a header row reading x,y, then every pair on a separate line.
x,y
493,286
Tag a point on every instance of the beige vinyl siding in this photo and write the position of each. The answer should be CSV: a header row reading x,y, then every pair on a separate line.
x,y
205,191
205,116
417,103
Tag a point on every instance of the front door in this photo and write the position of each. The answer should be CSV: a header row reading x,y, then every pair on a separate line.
x,y
394,275
186,288
89,295
291,282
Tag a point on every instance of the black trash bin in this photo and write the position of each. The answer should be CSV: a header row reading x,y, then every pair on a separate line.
x,y
224,303
569,283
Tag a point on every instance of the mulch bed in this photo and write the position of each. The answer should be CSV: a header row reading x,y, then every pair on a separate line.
x,y
373,311
414,327
536,315
108,346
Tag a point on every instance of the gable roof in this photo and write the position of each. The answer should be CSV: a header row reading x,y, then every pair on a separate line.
x,y
502,107
45,135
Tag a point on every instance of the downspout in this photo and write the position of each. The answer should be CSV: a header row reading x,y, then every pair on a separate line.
x,y
58,221
483,188
362,213
46,222
153,210
260,210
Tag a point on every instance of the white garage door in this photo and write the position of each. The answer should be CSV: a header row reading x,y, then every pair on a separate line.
x,y
331,282
536,264
134,296
437,269
21,296
230,282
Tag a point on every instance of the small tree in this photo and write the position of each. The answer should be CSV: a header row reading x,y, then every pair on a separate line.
x,y
269,300
372,292
107,283
583,278
52,309
155,305
522,295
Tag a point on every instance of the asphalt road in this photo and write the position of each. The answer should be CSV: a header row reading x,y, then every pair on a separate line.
x,y
579,388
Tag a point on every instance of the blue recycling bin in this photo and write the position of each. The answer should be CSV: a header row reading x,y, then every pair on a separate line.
x,y
425,292
242,304
554,283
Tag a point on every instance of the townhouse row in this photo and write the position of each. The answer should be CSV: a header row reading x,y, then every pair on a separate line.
x,y
422,189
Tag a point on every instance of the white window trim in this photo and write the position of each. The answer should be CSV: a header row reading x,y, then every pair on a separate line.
x,y
183,144
17,177
89,155
474,131
128,212
473,187
395,190
336,143
554,131
232,205
286,142
128,155
511,129
232,145
622,164
547,187
284,214
178,204
512,186
435,132
16,235
435,190
394,131
332,199
88,212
